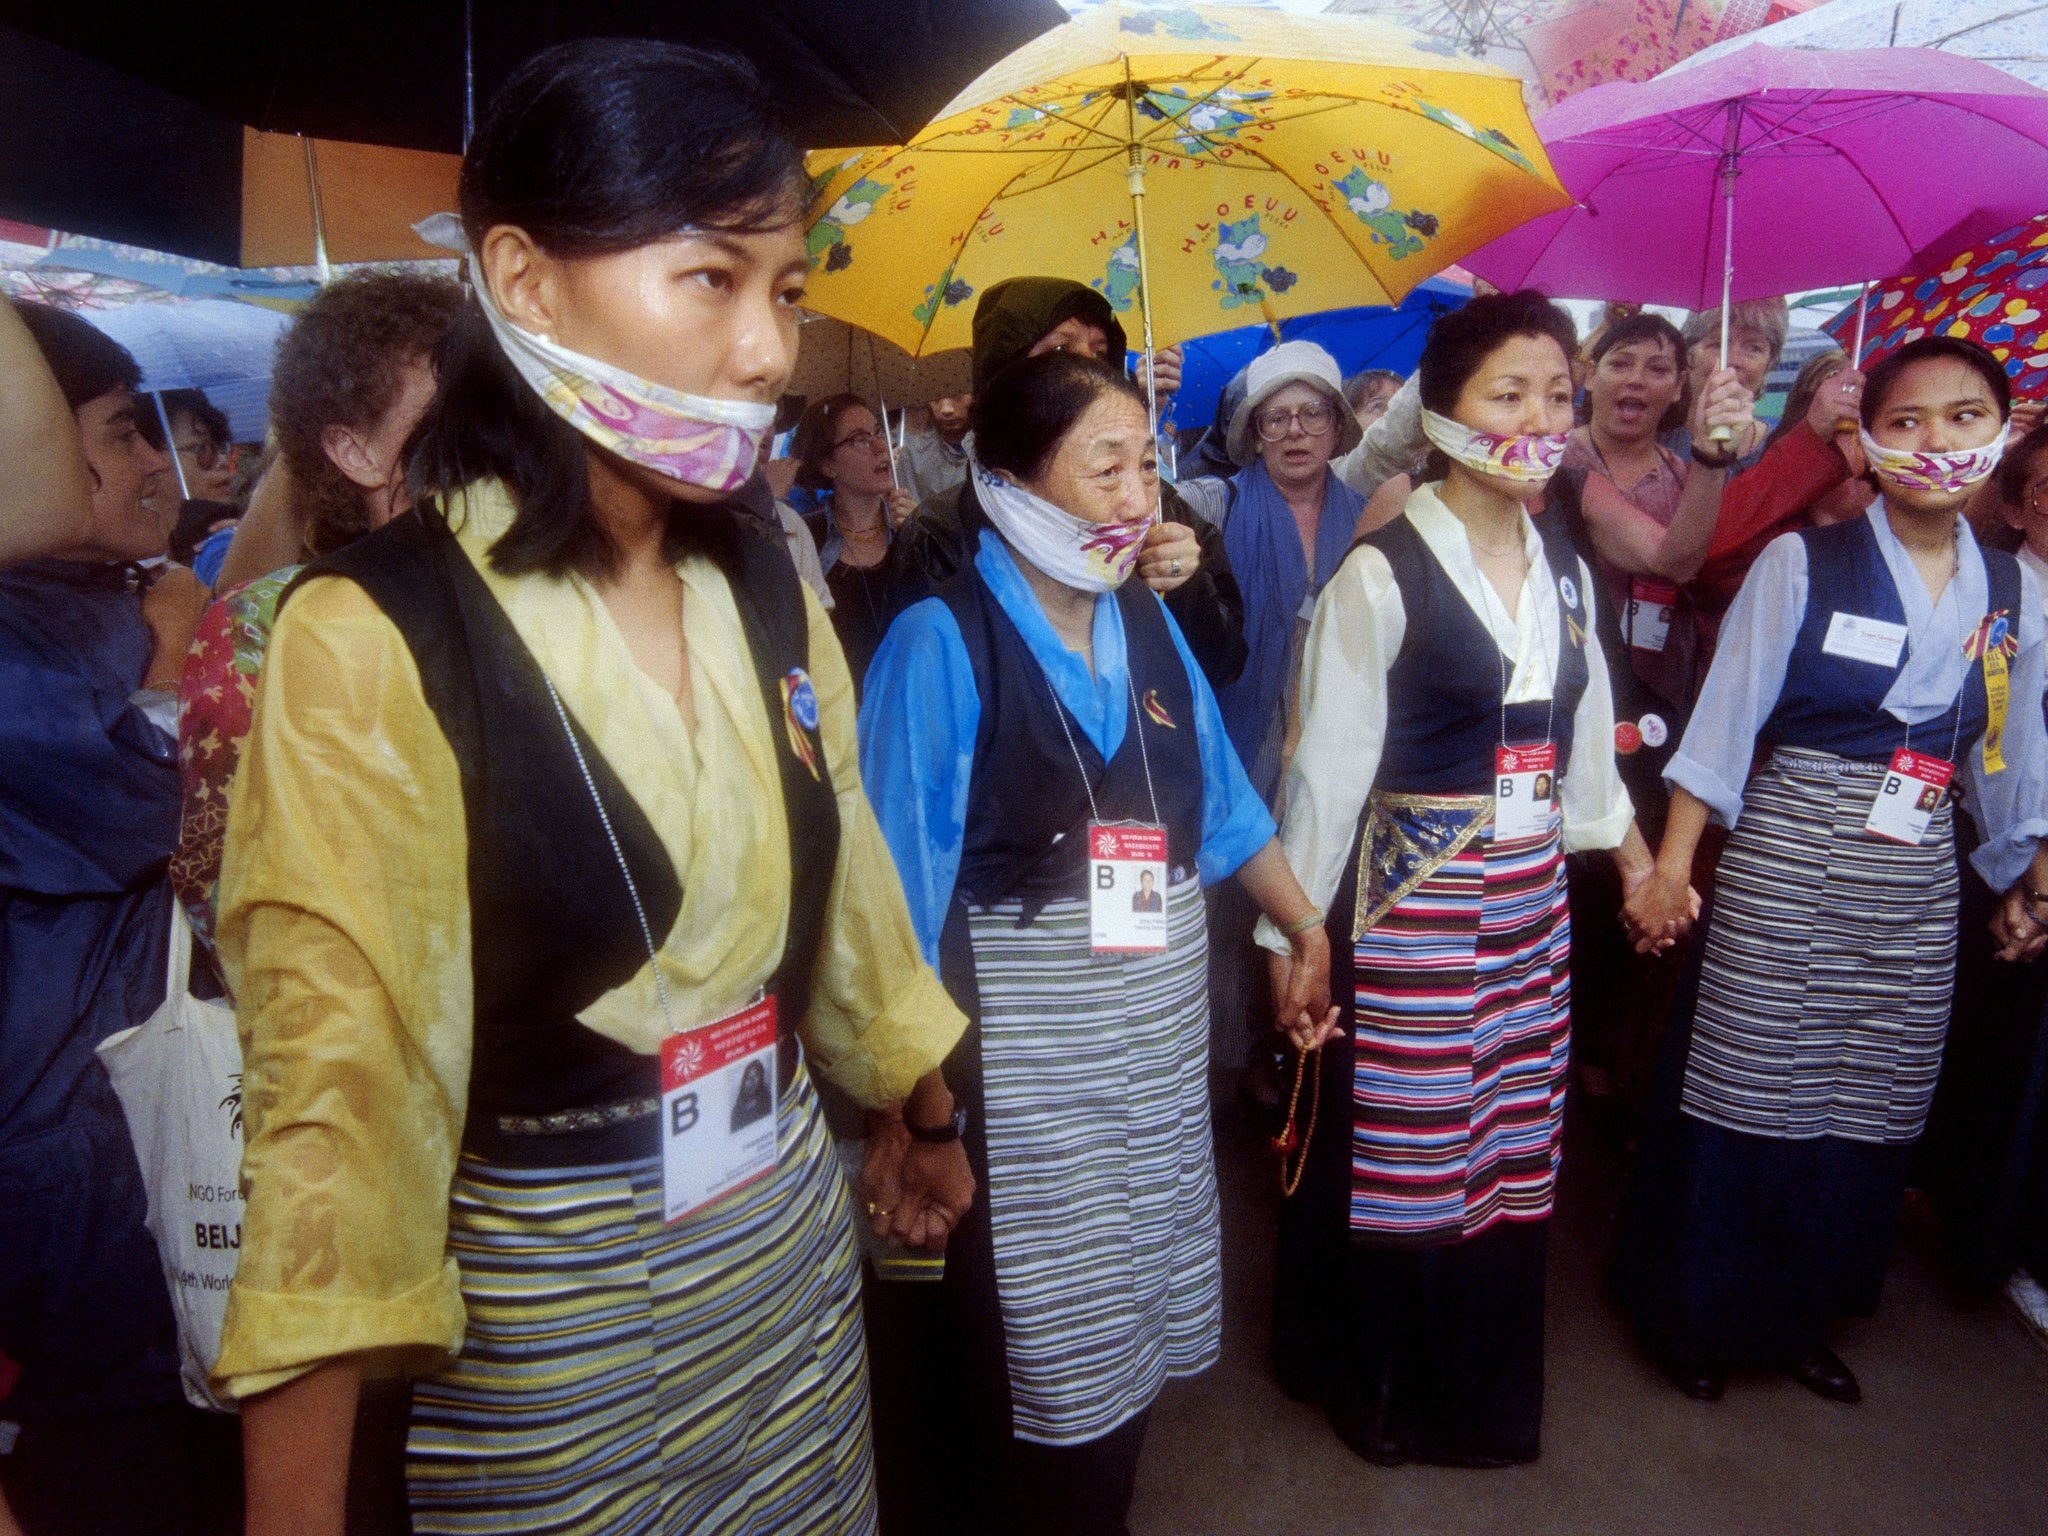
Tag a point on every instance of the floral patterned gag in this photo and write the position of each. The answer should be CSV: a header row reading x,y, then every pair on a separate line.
x,y
1945,472
1090,557
1530,458
713,444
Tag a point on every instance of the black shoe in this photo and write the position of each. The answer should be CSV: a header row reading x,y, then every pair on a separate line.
x,y
1821,1372
1698,1383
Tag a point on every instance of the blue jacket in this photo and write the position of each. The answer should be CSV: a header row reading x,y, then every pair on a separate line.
x,y
88,819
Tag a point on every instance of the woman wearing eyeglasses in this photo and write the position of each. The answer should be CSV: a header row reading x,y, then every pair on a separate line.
x,y
1286,521
840,452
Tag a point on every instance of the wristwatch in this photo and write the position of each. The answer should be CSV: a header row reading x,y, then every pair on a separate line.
x,y
1713,461
949,1130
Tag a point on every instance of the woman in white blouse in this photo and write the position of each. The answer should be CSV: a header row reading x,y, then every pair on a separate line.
x,y
1450,684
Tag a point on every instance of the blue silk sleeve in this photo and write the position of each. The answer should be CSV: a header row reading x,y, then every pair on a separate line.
x,y
918,716
1235,821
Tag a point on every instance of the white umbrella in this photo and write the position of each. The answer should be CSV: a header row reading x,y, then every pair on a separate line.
x,y
2009,34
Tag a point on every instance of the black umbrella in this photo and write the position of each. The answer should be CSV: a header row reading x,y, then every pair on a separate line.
x,y
392,71
149,150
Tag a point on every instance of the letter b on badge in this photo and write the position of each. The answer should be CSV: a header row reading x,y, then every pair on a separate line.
x,y
682,1113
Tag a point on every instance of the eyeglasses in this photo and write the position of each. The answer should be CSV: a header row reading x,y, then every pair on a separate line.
x,y
206,453
862,440
1314,417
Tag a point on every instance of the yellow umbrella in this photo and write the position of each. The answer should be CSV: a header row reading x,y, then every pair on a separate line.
x,y
1284,164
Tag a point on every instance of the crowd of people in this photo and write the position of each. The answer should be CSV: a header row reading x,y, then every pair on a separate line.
x,y
737,957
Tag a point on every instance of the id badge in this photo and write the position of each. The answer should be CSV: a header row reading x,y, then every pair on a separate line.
x,y
718,1121
1906,803
1126,888
1524,785
1650,606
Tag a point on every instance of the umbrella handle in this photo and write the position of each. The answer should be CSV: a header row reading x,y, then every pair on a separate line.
x,y
1862,308
1731,168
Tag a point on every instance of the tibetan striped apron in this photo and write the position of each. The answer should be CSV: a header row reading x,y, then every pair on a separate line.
x,y
1462,1021
1825,985
619,1376
1101,1175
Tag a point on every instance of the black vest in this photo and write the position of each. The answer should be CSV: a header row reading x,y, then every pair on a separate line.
x,y
552,924
1836,704
1444,688
1027,806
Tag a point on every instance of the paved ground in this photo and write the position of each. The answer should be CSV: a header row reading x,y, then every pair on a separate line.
x,y
1950,1440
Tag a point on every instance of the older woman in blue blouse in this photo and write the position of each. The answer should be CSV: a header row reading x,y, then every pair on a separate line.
x,y
1879,666
1036,736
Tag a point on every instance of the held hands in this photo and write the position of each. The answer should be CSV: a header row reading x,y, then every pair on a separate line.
x,y
1722,402
2013,928
1302,1010
2026,415
1170,556
899,504
913,1192
1657,910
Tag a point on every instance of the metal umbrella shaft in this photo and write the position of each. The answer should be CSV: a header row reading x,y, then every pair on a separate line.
x,y
1135,179
1731,168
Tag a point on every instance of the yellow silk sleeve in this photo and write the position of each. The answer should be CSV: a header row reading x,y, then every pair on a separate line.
x,y
879,1019
344,931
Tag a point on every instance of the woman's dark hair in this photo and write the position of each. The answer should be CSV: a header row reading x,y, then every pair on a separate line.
x,y
87,361
1640,326
1813,373
1460,342
1020,417
591,148
818,434
2017,467
1878,384
1643,326
206,416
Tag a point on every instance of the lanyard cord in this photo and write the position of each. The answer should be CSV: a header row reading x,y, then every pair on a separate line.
x,y
1955,581
612,837
1137,724
1542,639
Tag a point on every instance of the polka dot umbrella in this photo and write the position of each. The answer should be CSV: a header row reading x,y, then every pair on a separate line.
x,y
1994,292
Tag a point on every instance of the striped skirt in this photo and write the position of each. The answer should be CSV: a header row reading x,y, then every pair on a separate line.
x,y
622,1376
1830,958
1101,1174
1462,1024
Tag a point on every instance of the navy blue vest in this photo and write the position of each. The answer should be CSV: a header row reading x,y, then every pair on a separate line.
x,y
1027,807
552,925
1835,704
1444,688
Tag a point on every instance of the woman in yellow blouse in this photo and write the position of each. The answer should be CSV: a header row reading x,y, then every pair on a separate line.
x,y
549,829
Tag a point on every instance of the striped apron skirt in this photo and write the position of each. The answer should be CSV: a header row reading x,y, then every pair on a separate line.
x,y
623,1376
1101,1175
1462,1021
1825,986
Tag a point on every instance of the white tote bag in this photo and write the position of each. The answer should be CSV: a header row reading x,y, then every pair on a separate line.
x,y
179,1078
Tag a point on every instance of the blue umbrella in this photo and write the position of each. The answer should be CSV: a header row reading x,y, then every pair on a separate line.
x,y
1369,336
216,345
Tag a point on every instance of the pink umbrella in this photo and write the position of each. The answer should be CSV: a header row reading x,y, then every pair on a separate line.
x,y
1846,165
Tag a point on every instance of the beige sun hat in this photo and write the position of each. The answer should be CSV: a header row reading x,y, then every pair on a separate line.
x,y
1292,362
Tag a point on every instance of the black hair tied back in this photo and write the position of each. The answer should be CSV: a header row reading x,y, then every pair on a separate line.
x,y
591,148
